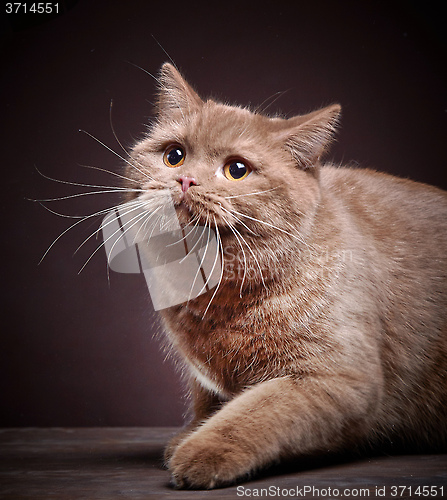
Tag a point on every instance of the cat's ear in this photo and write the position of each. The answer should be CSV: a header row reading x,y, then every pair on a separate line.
x,y
175,95
307,137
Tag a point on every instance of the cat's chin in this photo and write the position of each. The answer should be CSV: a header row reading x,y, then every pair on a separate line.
x,y
184,214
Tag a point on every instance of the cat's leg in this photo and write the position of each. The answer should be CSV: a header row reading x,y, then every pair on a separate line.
x,y
203,404
278,418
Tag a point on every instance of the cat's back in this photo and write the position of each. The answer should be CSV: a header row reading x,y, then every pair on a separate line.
x,y
398,226
399,229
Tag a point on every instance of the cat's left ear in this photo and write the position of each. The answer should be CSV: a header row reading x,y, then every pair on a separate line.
x,y
175,95
307,137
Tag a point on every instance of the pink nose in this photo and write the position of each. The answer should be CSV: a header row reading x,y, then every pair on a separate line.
x,y
186,182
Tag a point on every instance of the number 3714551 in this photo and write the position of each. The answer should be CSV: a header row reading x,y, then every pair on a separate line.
x,y
33,8
417,492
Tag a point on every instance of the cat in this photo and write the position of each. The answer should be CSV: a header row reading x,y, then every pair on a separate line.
x,y
327,330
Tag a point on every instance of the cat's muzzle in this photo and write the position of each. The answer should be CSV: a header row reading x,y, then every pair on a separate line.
x,y
178,262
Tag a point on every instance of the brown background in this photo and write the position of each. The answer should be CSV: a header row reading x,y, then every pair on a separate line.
x,y
77,350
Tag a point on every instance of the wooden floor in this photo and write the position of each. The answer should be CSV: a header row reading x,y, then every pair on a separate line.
x,y
109,463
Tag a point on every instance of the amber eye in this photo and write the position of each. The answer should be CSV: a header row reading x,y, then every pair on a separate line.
x,y
236,170
174,156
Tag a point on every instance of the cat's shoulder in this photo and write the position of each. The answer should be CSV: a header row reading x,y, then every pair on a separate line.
x,y
350,180
377,196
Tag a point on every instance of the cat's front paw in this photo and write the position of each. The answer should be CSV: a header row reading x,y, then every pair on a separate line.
x,y
206,462
174,443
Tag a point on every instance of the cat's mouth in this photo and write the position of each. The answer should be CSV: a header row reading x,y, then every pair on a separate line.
x,y
198,207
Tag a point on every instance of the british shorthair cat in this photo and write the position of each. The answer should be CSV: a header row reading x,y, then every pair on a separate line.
x,y
327,330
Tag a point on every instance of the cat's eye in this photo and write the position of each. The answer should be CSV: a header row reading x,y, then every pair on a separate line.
x,y
174,156
236,170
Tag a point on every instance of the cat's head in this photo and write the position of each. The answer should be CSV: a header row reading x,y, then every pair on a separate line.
x,y
251,175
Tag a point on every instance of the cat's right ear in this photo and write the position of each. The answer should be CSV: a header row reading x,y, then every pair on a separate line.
x,y
308,137
175,95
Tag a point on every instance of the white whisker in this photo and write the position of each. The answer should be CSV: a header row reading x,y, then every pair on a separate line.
x,y
219,243
267,224
118,155
214,263
113,246
195,244
250,194
163,49
252,253
160,222
160,83
84,218
80,184
244,256
202,261
136,206
196,219
89,193
276,96
113,129
138,217
61,215
144,71
239,220
145,223
111,172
